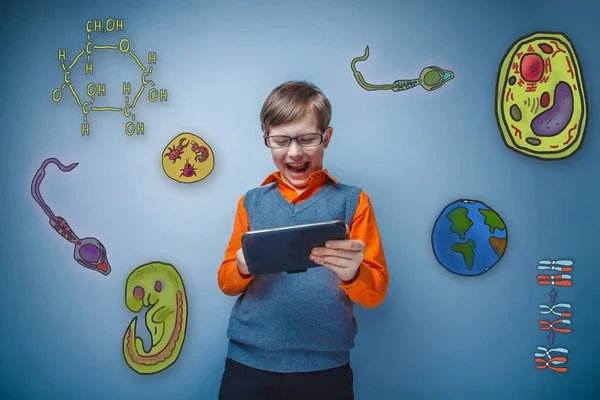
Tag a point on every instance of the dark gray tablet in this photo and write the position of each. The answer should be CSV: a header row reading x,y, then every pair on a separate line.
x,y
287,249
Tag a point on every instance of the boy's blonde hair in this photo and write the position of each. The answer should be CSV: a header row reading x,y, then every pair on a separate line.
x,y
291,101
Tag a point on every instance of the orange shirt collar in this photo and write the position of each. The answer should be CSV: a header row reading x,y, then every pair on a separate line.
x,y
317,180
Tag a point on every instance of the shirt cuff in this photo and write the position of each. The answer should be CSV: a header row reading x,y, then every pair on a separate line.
x,y
240,279
363,281
242,275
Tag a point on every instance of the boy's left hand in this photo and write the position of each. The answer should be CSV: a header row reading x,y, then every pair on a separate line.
x,y
341,256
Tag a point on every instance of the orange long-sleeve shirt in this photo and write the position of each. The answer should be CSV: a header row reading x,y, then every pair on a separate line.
x,y
370,286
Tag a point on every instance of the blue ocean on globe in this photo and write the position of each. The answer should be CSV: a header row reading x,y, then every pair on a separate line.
x,y
469,237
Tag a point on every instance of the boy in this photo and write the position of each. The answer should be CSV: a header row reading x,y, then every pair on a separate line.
x,y
291,334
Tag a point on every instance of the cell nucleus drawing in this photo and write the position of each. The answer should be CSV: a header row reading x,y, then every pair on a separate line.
x,y
158,287
541,105
187,158
469,237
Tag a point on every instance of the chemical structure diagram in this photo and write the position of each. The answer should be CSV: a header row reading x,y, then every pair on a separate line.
x,y
99,89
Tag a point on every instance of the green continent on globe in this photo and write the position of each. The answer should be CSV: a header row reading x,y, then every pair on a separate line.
x,y
466,249
492,220
459,220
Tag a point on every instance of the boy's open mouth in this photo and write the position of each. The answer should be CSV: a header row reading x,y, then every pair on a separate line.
x,y
297,167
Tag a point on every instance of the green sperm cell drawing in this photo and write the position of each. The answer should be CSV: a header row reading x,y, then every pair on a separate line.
x,y
431,78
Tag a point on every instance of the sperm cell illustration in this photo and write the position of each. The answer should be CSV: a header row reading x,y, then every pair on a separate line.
x,y
89,252
431,78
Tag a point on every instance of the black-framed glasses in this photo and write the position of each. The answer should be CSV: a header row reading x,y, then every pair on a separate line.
x,y
306,140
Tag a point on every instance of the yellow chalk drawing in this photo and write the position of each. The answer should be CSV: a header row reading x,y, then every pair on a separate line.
x,y
97,91
159,286
187,159
541,105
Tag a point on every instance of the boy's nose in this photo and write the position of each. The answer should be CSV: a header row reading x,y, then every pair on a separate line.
x,y
294,148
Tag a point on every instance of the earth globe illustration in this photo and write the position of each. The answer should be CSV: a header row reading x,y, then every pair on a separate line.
x,y
469,237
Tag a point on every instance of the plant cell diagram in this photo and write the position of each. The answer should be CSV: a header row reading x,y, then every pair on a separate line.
x,y
541,105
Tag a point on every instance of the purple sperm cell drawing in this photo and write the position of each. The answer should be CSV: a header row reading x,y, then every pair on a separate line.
x,y
89,252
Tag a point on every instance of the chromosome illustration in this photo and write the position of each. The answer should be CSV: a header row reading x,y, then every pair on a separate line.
x,y
187,158
556,265
558,280
541,105
556,325
431,78
556,309
469,237
89,252
551,360
562,322
158,286
555,279
99,89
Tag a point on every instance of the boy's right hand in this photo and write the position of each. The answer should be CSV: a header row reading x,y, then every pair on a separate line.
x,y
241,264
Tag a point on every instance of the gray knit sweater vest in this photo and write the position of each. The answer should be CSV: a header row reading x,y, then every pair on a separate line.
x,y
294,322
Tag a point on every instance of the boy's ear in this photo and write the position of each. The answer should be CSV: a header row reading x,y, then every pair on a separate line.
x,y
328,134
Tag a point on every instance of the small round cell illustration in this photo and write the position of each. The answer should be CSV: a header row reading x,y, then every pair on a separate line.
x,y
541,105
187,158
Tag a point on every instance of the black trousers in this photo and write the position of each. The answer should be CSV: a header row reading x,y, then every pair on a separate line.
x,y
241,382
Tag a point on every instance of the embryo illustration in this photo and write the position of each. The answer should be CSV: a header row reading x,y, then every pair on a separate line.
x,y
89,252
158,286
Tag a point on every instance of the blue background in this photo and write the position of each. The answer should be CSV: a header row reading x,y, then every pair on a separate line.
x,y
436,336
